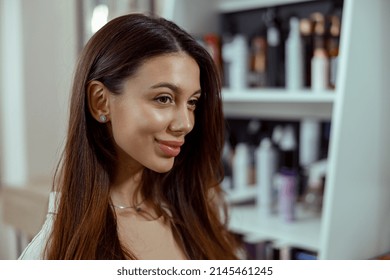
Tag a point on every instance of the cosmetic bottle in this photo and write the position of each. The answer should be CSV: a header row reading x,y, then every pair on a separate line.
x,y
286,179
288,148
253,134
306,28
277,134
235,54
319,62
241,167
294,57
333,49
286,182
313,197
258,62
265,170
319,70
275,55
319,30
309,141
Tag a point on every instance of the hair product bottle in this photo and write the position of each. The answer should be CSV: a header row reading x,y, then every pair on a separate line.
x,y
241,167
309,141
235,54
275,54
286,182
265,170
286,178
294,57
288,148
258,62
319,70
333,49
319,62
313,197
306,27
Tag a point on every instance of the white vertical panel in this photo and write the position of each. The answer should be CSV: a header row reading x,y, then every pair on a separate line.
x,y
13,143
357,202
12,104
49,33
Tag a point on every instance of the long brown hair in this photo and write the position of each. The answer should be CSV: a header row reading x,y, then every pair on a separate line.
x,y
85,226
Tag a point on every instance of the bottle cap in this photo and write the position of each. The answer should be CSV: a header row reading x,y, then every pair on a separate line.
x,y
294,24
320,52
319,23
335,26
306,27
288,142
266,143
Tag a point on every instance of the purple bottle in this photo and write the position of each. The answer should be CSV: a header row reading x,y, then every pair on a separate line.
x,y
286,183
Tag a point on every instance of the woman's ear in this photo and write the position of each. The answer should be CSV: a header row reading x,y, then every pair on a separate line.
x,y
98,101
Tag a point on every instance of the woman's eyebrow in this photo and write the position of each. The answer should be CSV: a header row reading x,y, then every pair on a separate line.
x,y
172,87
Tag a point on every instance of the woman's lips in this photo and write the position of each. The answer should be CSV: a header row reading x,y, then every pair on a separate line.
x,y
170,148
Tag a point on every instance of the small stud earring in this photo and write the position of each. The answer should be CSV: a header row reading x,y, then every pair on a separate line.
x,y
103,118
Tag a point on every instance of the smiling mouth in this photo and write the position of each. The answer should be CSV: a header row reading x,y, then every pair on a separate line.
x,y
170,148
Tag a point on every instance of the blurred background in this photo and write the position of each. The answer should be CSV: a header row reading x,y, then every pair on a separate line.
x,y
305,92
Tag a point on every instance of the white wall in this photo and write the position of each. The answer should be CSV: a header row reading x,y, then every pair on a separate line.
x,y
44,54
50,52
44,65
12,111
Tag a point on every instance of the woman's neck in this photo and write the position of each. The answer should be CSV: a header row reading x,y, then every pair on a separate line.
x,y
123,188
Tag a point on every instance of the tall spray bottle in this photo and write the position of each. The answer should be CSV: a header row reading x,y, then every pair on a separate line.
x,y
333,49
266,164
320,60
235,53
286,178
294,57
241,163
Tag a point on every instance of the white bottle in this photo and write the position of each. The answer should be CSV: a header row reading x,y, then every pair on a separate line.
x,y
241,167
319,70
235,53
265,171
294,57
288,141
309,141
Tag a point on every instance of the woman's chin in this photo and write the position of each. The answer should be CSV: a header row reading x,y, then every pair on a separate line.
x,y
163,168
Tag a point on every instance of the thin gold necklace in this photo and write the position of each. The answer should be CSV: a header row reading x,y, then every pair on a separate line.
x,y
136,207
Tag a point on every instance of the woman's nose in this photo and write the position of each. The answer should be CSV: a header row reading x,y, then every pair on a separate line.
x,y
182,121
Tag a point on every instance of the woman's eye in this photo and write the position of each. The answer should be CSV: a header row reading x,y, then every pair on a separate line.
x,y
192,103
164,99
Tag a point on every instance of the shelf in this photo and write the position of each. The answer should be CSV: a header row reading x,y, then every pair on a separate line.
x,y
278,103
247,220
243,195
230,6
303,233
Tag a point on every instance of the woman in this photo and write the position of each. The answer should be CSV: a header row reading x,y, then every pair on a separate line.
x,y
140,173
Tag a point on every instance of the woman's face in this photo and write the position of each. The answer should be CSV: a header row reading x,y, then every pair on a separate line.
x,y
155,111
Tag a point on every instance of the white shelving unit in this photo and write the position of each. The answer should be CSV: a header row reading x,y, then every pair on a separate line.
x,y
227,6
278,103
354,222
303,233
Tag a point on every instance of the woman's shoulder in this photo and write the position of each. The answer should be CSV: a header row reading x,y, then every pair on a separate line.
x,y
35,250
